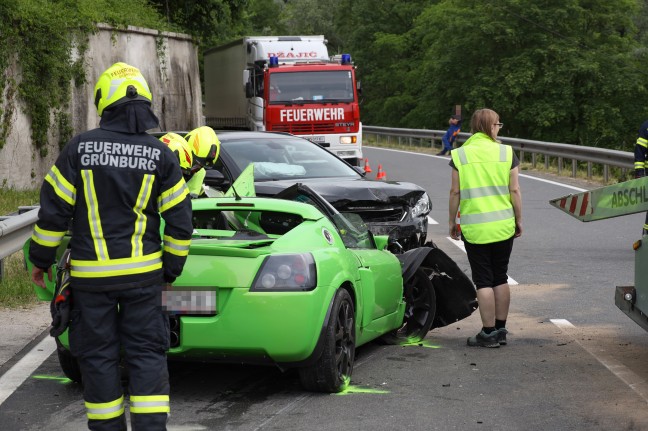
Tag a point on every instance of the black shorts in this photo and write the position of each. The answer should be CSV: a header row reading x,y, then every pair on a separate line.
x,y
489,262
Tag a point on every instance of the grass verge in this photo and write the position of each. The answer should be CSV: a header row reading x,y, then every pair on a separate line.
x,y
16,289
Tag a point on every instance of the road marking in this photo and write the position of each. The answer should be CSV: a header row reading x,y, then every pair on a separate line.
x,y
17,374
636,383
459,243
432,221
555,183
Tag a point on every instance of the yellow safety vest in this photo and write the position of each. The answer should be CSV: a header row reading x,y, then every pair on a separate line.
x,y
484,174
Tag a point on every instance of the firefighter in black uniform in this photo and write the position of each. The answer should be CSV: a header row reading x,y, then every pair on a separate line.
x,y
641,160
115,182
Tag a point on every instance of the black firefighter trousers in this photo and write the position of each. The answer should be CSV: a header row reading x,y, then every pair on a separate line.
x,y
105,325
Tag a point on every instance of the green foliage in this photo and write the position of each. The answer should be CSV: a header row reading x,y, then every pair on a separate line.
x,y
555,70
42,36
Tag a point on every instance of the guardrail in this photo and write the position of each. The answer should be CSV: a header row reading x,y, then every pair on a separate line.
x,y
561,152
16,228
14,231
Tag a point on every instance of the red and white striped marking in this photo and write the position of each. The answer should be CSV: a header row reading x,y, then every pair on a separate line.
x,y
576,204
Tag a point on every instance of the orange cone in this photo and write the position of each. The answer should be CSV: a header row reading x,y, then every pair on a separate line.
x,y
459,222
367,168
381,174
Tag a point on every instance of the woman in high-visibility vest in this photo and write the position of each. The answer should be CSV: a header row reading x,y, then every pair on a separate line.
x,y
485,186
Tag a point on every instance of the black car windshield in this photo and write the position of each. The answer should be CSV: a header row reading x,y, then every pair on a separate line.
x,y
295,87
285,158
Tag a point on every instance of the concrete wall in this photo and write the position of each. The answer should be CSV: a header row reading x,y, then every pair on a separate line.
x,y
168,61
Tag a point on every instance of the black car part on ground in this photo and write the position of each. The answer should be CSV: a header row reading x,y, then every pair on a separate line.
x,y
456,297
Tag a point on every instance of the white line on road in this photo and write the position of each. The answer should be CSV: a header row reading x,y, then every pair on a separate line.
x,y
17,374
555,183
636,383
460,244
432,221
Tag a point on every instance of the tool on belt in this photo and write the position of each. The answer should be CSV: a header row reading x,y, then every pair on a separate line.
x,y
61,304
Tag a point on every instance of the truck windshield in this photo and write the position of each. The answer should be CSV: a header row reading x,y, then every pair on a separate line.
x,y
311,86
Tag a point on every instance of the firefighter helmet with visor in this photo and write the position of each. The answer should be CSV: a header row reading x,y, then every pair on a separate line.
x,y
181,149
120,83
205,146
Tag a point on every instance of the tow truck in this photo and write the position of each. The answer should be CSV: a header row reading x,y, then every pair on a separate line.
x,y
628,197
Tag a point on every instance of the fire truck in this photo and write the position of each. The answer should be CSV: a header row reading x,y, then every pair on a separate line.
x,y
285,84
620,199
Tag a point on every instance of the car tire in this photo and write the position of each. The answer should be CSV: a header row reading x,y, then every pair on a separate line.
x,y
68,363
332,371
420,310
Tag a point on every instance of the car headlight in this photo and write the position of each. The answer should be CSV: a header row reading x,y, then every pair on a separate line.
x,y
422,207
286,272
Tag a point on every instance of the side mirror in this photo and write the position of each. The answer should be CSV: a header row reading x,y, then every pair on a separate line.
x,y
216,179
249,90
359,87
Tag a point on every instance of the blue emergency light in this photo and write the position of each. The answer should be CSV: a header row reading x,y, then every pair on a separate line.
x,y
346,58
274,61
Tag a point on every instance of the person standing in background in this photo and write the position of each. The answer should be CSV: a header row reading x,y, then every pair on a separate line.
x,y
485,185
641,160
451,134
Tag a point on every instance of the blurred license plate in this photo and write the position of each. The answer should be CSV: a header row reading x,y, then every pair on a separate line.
x,y
189,301
316,139
345,153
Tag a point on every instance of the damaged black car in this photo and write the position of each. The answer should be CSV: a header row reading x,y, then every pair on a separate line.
x,y
394,208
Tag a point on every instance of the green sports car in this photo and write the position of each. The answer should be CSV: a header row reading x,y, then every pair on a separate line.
x,y
292,282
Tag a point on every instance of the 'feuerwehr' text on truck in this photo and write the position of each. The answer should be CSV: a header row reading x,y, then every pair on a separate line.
x,y
285,84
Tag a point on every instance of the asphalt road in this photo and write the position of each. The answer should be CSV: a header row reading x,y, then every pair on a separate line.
x,y
573,361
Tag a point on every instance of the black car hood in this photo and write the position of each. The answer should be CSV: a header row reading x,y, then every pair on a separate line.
x,y
341,192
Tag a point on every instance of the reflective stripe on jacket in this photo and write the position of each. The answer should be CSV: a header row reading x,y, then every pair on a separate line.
x,y
641,149
485,204
114,187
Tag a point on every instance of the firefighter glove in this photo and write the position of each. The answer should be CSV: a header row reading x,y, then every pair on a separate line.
x,y
60,308
61,304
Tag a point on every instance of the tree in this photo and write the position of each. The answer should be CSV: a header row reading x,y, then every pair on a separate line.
x,y
555,70
377,34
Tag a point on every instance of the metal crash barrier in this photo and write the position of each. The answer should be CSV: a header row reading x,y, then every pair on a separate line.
x,y
15,229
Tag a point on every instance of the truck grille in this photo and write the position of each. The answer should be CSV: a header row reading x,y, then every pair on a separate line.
x,y
304,128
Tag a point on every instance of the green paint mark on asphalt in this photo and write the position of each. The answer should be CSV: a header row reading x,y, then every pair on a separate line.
x,y
62,380
350,389
422,343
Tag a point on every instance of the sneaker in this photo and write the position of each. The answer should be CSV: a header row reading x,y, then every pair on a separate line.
x,y
484,340
501,336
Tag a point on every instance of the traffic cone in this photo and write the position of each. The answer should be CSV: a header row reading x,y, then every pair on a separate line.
x,y
459,222
367,168
381,174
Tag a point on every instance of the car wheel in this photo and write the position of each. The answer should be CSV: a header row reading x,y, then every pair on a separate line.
x,y
69,363
332,371
420,310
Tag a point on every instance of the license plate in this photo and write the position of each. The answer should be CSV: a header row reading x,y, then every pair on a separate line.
x,y
316,139
201,302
